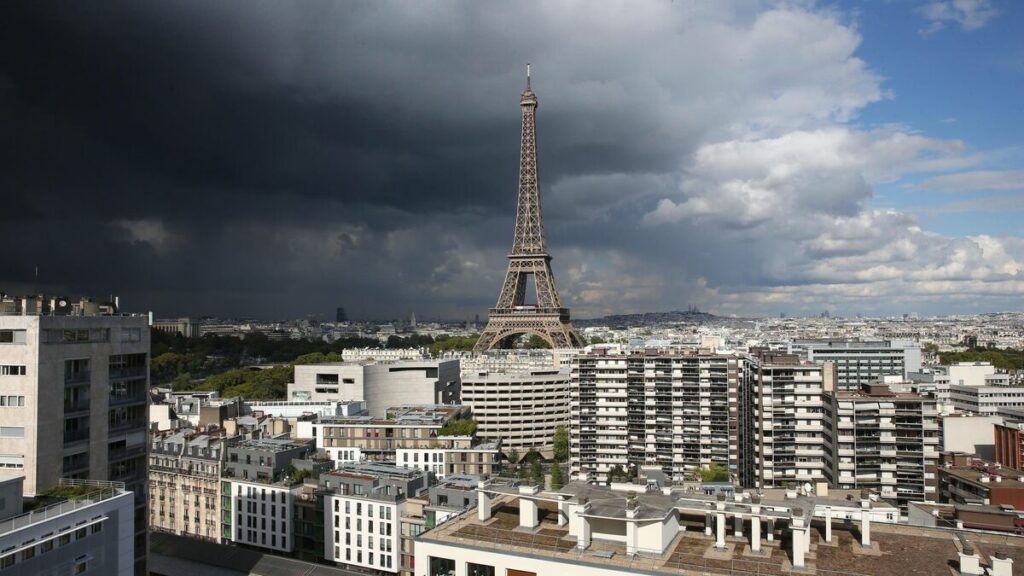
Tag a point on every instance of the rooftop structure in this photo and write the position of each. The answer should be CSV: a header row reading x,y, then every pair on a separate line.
x,y
83,527
583,530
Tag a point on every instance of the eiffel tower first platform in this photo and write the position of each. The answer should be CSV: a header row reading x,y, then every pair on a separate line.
x,y
512,317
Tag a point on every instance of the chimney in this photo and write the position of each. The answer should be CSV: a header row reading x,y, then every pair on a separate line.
x,y
1002,565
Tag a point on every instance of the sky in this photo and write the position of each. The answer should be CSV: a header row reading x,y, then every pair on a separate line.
x,y
279,159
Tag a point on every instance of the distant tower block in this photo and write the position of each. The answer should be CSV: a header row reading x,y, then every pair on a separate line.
x,y
512,316
340,316
412,320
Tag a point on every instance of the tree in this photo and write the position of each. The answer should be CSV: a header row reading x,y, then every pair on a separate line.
x,y
513,457
537,473
458,428
532,456
561,444
536,342
597,340
616,473
714,473
556,476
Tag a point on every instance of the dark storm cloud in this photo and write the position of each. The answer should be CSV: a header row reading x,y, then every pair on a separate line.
x,y
280,159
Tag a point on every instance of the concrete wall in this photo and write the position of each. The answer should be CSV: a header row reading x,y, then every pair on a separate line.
x,y
971,434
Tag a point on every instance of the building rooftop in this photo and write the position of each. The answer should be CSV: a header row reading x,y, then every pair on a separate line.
x,y
899,551
997,476
67,496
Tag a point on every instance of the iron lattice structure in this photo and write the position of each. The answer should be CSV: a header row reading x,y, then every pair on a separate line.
x,y
511,317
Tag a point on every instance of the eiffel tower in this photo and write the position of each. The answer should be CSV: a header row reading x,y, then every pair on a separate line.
x,y
512,317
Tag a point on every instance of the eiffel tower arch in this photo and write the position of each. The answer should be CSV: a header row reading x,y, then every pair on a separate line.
x,y
512,317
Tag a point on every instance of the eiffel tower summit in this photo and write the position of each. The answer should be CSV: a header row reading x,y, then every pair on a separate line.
x,y
512,317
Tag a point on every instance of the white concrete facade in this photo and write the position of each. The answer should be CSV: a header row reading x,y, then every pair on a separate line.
x,y
521,409
92,535
674,410
363,531
381,385
262,515
789,423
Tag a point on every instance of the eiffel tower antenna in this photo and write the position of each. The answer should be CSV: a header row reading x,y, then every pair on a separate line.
x,y
512,317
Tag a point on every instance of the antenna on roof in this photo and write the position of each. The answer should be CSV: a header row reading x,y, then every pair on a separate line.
x,y
527,75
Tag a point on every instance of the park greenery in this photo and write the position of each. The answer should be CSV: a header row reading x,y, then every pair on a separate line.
x,y
1005,359
223,363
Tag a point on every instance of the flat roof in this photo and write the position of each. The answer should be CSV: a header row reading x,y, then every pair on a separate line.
x,y
904,550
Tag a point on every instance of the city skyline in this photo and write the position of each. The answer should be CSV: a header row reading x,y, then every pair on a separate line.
x,y
749,158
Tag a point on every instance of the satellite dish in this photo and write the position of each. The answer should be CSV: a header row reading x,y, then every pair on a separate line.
x,y
62,303
807,487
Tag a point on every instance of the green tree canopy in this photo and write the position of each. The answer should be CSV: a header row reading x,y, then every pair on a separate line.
x,y
714,472
535,342
561,444
458,428
537,473
556,476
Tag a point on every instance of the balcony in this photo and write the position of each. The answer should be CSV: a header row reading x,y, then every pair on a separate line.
x,y
82,377
80,435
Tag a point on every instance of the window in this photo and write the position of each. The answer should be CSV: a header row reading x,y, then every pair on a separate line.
x,y
12,370
12,336
12,401
12,431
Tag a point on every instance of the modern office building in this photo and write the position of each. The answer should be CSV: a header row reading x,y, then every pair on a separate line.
x,y
520,408
788,440
75,394
886,442
380,384
988,399
676,411
184,483
860,362
83,527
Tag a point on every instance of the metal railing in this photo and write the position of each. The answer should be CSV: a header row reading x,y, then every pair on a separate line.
x,y
103,491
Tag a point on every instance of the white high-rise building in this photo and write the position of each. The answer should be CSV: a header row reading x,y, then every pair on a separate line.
x,y
788,423
74,394
885,441
673,410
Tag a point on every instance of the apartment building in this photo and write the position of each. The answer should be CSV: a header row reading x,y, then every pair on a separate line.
x,y
356,438
453,455
75,393
450,497
259,486
86,527
184,483
363,507
886,442
788,440
520,408
677,411
860,362
380,384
